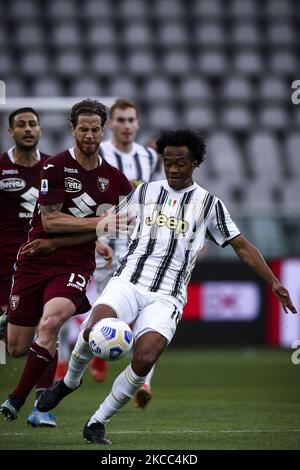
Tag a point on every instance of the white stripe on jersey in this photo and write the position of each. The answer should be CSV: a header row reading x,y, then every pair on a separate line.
x,y
170,230
138,164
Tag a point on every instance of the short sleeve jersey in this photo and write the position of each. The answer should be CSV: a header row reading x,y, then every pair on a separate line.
x,y
171,227
81,192
19,189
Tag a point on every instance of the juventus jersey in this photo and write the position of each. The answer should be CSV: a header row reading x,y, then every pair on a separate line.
x,y
171,227
137,165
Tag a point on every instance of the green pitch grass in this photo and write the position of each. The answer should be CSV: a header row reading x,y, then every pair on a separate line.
x,y
203,399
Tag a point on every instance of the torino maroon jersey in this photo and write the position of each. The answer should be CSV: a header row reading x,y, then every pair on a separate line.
x,y
19,189
64,180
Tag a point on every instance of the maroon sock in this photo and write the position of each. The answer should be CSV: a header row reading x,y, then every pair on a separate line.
x,y
38,360
47,379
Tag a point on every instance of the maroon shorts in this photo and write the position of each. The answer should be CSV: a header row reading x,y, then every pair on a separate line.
x,y
7,261
34,286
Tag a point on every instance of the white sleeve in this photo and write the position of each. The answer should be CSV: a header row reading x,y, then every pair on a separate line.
x,y
220,228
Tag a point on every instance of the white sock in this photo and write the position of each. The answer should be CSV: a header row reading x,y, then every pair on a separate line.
x,y
149,377
124,387
80,357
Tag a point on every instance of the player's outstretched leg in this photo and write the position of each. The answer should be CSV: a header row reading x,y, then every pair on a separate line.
x,y
123,389
80,357
36,418
53,395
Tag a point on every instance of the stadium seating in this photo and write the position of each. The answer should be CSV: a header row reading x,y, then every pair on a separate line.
x,y
225,68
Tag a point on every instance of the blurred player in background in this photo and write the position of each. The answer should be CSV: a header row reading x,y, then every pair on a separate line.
x,y
47,290
149,287
20,169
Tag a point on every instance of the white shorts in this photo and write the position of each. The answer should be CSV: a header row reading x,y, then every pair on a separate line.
x,y
149,311
102,276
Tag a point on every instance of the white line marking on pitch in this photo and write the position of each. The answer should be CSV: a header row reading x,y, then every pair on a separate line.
x,y
187,431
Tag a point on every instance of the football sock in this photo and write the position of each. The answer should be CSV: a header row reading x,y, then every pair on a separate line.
x,y
38,360
47,379
124,387
149,377
80,357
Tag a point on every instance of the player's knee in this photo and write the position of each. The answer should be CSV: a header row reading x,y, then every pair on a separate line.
x,y
17,350
143,361
50,326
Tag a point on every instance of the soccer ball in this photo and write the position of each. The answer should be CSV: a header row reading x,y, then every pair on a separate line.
x,y
110,339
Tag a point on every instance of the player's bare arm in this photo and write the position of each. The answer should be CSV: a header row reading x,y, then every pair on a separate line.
x,y
55,221
48,245
105,251
253,258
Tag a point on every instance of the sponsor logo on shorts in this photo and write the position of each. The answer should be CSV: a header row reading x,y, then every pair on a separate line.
x,y
103,184
72,185
14,301
12,184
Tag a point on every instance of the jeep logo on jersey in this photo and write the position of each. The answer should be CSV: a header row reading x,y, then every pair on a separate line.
x,y
180,226
72,185
103,184
12,184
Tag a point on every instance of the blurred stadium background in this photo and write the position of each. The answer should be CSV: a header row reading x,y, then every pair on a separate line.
x,y
223,66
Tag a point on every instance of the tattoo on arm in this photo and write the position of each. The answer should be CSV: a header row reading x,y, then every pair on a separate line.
x,y
46,210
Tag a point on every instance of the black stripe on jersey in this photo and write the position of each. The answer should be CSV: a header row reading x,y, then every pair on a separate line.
x,y
139,173
166,260
134,243
119,162
221,220
125,202
210,237
151,159
161,200
131,248
207,207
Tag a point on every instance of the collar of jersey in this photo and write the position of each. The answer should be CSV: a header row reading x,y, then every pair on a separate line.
x,y
180,191
10,153
72,153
